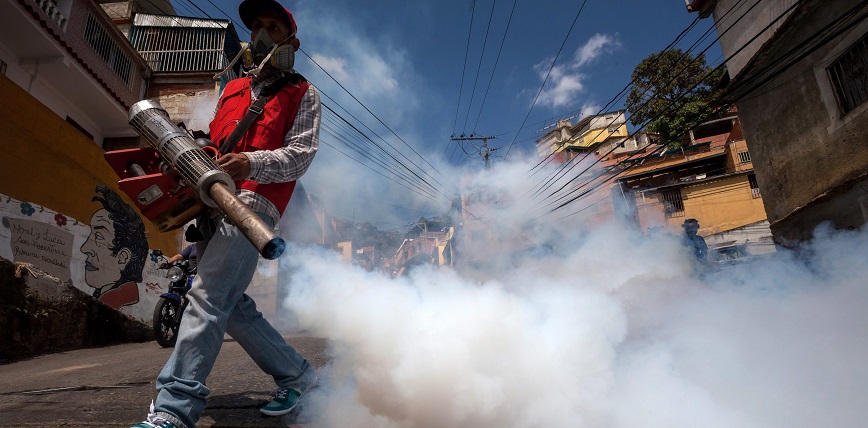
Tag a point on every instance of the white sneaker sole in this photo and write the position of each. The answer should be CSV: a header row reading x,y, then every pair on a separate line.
x,y
278,412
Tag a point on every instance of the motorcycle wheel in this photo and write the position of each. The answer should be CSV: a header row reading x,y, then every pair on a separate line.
x,y
165,330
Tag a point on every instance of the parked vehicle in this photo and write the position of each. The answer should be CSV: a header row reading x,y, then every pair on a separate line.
x,y
170,308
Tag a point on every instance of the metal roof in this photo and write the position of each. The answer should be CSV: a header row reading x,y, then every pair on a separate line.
x,y
184,44
148,20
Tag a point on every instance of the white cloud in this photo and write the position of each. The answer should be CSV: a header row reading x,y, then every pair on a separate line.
x,y
566,81
372,67
596,46
337,67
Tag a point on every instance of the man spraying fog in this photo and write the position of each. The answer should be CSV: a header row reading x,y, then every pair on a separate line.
x,y
268,157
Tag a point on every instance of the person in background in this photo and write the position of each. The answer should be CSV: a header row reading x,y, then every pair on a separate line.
x,y
693,241
188,253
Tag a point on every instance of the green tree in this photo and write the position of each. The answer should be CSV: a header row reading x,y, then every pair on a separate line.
x,y
672,77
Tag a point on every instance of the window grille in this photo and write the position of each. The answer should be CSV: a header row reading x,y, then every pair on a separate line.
x,y
672,201
754,186
849,76
101,41
744,157
182,49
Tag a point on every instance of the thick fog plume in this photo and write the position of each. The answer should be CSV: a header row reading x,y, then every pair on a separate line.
x,y
604,328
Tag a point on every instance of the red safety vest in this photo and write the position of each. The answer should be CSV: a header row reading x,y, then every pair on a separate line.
x,y
266,133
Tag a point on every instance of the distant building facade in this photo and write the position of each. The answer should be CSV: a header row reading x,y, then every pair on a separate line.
x,y
598,143
711,179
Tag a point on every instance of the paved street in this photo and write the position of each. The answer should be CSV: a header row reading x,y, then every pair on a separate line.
x,y
113,386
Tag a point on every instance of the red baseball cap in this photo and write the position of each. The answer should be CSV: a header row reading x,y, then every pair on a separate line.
x,y
250,9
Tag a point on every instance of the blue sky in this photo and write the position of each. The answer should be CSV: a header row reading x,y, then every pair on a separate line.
x,y
405,60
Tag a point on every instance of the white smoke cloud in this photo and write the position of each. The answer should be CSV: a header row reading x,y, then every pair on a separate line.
x,y
607,328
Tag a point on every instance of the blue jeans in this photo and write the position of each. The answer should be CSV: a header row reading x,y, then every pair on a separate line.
x,y
227,262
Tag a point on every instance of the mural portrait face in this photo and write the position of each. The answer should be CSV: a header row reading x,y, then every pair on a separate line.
x,y
116,248
103,267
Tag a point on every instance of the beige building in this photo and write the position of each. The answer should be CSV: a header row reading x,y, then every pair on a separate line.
x,y
565,140
710,180
601,140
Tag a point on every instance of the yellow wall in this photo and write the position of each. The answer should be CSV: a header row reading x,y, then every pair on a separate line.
x,y
733,163
597,136
346,250
49,173
719,205
48,162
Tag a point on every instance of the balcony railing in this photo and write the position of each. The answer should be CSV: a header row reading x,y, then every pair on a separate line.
x,y
106,52
99,38
85,32
50,9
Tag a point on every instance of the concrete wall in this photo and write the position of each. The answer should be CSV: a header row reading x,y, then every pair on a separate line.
x,y
73,36
49,175
41,314
195,109
810,161
742,30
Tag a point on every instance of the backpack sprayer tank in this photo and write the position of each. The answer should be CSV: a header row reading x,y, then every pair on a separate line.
x,y
158,196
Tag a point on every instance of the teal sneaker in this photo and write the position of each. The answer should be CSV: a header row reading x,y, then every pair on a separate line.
x,y
155,424
285,400
154,421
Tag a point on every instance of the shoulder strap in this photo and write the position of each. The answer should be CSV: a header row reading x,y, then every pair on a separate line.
x,y
254,111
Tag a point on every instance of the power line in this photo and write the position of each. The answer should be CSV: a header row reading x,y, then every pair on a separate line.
x,y
579,13
801,50
380,147
464,67
496,61
378,119
564,170
484,151
383,150
339,136
479,68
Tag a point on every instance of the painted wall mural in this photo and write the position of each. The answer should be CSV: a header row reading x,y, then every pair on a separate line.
x,y
116,250
108,258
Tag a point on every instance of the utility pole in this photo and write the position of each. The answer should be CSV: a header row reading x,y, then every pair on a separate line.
x,y
485,152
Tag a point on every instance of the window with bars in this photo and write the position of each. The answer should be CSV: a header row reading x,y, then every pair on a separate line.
x,y
849,76
672,201
754,186
743,157
107,48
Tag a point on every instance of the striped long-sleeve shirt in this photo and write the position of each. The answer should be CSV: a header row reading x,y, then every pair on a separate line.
x,y
289,162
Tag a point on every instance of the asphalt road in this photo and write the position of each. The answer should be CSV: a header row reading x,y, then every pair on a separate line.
x,y
113,386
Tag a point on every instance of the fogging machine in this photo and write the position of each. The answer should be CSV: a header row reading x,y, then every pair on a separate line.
x,y
174,180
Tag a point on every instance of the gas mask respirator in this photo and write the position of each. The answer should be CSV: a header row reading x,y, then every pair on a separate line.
x,y
262,51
